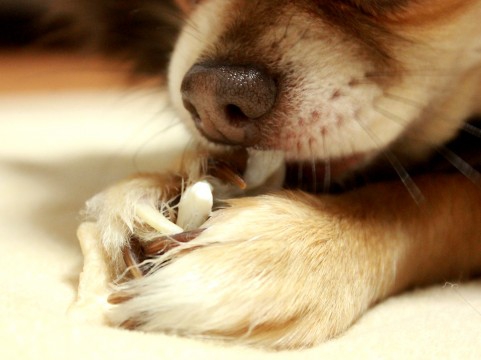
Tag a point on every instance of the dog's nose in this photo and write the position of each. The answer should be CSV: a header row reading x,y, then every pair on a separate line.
x,y
227,102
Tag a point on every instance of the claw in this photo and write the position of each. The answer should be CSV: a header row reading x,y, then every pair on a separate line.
x,y
130,324
119,297
133,256
132,263
164,243
223,171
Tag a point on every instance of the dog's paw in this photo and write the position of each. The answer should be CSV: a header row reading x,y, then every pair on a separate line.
x,y
132,211
121,211
279,271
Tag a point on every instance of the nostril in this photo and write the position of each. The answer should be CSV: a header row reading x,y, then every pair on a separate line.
x,y
192,110
235,115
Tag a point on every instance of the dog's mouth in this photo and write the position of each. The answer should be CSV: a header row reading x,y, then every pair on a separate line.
x,y
270,170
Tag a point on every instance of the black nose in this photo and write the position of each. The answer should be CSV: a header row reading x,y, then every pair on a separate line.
x,y
227,101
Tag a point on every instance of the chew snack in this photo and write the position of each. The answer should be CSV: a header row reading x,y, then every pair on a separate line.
x,y
94,280
156,220
195,205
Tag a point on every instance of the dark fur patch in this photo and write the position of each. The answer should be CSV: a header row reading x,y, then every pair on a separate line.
x,y
141,31
379,7
35,23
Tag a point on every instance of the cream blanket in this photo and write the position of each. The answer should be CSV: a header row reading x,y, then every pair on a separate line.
x,y
59,148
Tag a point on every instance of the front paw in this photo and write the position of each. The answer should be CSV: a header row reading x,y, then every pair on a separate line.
x,y
117,211
280,271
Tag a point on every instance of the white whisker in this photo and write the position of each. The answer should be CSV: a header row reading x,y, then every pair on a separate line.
x,y
300,174
327,167
327,175
314,176
406,179
152,137
446,73
404,100
401,171
471,129
313,167
468,128
464,168
389,115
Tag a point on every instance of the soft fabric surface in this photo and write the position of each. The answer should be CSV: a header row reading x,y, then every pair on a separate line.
x,y
59,148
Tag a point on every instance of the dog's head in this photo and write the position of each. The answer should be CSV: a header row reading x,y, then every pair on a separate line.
x,y
336,82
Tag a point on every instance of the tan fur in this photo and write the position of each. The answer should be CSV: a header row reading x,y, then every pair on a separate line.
x,y
288,269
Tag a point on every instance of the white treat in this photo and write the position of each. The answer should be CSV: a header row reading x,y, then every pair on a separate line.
x,y
91,303
155,219
195,205
263,167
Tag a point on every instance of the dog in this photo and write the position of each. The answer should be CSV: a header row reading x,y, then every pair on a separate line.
x,y
348,91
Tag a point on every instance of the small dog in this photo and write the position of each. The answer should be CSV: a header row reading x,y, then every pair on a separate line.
x,y
345,90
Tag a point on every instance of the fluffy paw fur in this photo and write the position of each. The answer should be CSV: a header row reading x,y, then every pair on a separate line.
x,y
114,210
283,271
